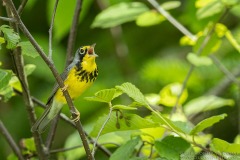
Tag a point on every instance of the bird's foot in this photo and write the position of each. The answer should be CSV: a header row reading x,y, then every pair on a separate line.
x,y
77,116
64,88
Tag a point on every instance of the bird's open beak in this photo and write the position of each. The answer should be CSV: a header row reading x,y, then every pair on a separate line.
x,y
91,50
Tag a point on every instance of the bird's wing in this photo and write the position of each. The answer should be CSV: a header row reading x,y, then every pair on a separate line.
x,y
56,86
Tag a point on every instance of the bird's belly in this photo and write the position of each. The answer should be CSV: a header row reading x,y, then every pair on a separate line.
x,y
75,88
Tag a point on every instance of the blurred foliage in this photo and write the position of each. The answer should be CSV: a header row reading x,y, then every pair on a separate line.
x,y
155,56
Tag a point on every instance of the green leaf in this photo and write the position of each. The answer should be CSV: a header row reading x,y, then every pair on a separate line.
x,y
105,96
149,18
2,40
5,77
126,150
233,41
212,46
123,107
29,144
128,122
133,92
171,147
207,123
213,8
169,94
206,103
230,3
199,60
29,68
157,117
223,146
64,15
7,93
119,14
189,154
10,36
12,157
28,49
170,5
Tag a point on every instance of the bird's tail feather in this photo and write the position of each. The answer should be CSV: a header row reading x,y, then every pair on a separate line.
x,y
48,115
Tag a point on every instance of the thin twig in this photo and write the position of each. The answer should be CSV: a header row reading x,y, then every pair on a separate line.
x,y
171,19
73,33
10,141
101,129
53,128
21,7
64,149
55,73
7,19
50,30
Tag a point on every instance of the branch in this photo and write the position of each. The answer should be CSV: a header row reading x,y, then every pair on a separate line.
x,y
10,141
73,33
55,73
172,20
7,19
50,30
21,7
19,66
67,120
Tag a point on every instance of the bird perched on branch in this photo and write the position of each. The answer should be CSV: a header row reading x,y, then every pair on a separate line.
x,y
77,77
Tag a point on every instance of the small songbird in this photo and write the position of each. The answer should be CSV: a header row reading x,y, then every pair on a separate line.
x,y
77,77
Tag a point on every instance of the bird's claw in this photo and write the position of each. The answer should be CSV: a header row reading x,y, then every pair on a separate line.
x,y
77,116
64,88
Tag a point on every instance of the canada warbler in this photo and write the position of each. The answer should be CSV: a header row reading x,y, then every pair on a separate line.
x,y
77,77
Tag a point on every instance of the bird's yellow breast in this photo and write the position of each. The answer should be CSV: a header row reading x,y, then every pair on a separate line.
x,y
77,82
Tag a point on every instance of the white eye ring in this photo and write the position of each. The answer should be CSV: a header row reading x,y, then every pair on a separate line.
x,y
82,51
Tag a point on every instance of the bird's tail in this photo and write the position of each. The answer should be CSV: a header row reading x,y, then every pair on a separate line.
x,y
48,115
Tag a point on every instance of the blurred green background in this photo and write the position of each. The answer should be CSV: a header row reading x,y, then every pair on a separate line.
x,y
149,57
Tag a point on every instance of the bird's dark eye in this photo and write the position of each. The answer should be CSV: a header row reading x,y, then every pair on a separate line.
x,y
82,51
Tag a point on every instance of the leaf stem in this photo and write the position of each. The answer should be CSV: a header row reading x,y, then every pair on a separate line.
x,y
101,129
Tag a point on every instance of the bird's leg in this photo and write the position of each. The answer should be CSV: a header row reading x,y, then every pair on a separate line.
x,y
64,88
77,114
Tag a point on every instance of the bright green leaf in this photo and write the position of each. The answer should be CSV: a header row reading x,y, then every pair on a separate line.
x,y
10,36
221,29
29,68
2,40
170,93
207,123
223,146
171,147
233,41
125,151
199,60
203,3
213,8
170,5
128,122
133,92
153,99
230,3
28,49
123,107
185,40
5,77
157,117
149,18
212,46
119,14
206,103
237,139
105,95
15,83
29,144
139,158
7,93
